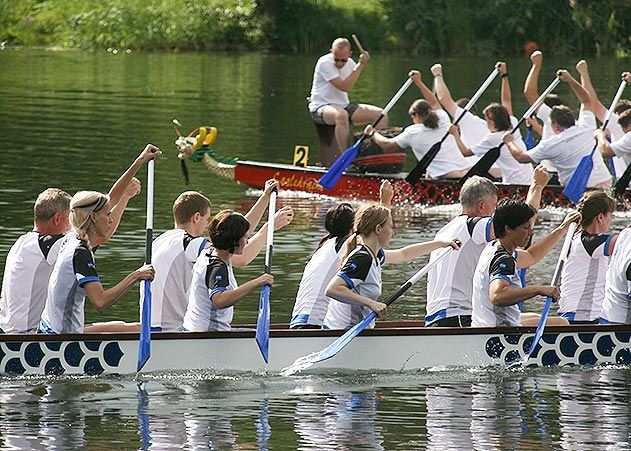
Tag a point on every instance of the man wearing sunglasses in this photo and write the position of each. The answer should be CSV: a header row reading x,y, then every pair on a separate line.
x,y
334,76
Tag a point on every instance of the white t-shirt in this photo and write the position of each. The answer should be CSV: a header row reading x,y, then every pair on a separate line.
x,y
617,303
173,255
566,149
495,263
322,90
311,302
65,301
421,138
449,282
26,273
583,277
513,171
211,275
543,113
473,128
622,148
362,274
620,163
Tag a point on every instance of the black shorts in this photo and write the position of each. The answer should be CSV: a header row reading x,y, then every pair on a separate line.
x,y
316,116
452,321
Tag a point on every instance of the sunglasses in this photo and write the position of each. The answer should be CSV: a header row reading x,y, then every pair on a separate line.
x,y
340,60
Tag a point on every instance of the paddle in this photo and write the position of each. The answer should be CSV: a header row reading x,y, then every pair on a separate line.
x,y
578,182
488,159
418,170
262,321
623,181
331,177
144,345
556,280
302,363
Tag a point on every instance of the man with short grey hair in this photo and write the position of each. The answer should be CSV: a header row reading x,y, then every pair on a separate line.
x,y
30,262
449,283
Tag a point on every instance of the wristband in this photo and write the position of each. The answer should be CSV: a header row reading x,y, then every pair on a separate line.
x,y
504,75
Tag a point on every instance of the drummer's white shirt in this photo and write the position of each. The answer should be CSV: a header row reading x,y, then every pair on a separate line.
x,y
421,138
617,303
323,92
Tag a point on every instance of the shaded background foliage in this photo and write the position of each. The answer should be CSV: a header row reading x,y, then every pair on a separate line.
x,y
425,27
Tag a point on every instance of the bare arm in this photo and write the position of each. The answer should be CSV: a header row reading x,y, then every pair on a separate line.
x,y
597,107
282,217
517,153
538,250
257,211
540,179
502,293
346,84
464,150
133,189
338,290
228,298
407,253
102,299
603,145
427,93
382,141
118,188
505,89
531,91
442,91
581,93
386,193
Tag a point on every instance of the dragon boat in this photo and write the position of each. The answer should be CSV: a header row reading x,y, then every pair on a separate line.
x,y
390,346
361,183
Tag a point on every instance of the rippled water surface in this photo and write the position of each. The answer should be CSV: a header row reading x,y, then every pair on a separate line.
x,y
76,120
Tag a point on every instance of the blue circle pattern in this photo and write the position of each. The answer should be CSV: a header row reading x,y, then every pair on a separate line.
x,y
17,358
562,349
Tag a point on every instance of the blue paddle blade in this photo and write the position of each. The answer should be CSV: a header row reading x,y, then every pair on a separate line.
x,y
529,140
144,345
540,326
262,323
339,344
331,177
575,188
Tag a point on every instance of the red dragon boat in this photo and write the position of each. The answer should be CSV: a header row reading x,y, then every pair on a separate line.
x,y
365,186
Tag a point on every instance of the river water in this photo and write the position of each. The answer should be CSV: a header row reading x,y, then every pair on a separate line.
x,y
76,119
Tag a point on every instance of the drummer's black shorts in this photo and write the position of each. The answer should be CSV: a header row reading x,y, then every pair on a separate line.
x,y
316,116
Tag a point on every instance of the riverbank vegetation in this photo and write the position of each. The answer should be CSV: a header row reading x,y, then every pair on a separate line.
x,y
428,27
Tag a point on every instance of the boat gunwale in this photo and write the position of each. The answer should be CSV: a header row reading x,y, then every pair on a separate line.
x,y
386,330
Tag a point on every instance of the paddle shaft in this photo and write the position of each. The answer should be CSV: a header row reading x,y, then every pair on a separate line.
x,y
424,162
556,280
270,231
488,159
416,277
149,228
389,106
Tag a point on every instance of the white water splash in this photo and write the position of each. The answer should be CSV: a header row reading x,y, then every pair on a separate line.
x,y
300,364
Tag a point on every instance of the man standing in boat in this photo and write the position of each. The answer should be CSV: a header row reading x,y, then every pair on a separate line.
x,y
334,75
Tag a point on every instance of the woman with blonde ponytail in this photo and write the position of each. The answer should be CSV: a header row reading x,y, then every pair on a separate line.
x,y
357,286
75,277
584,273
